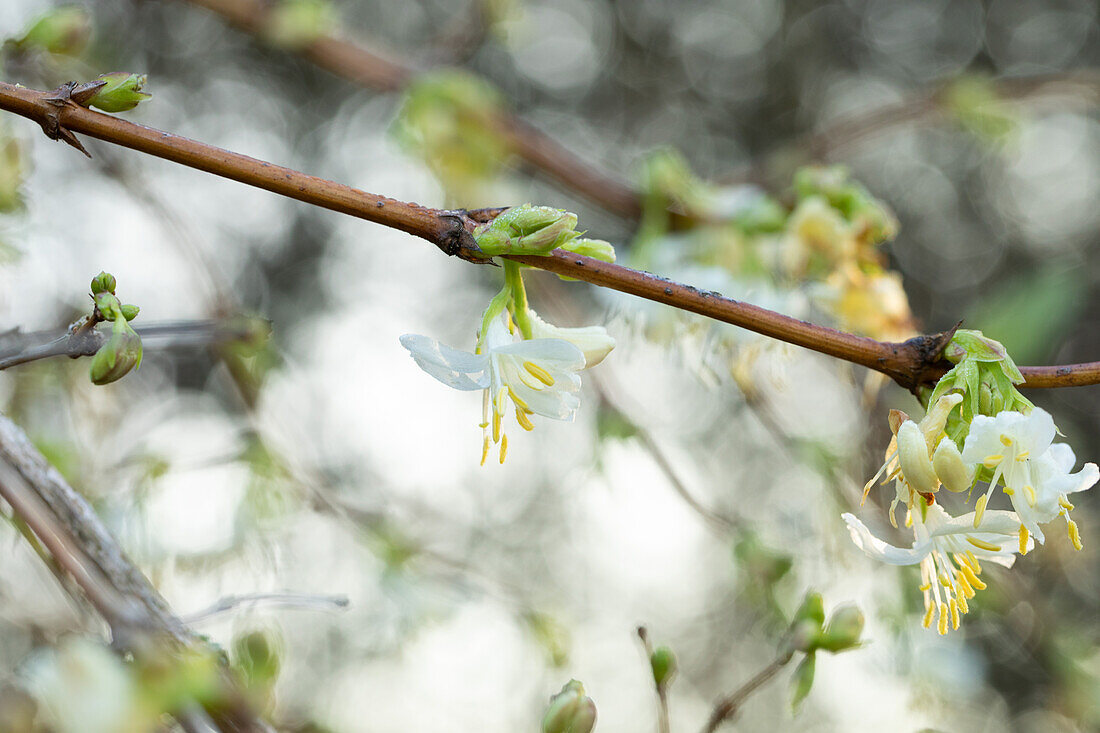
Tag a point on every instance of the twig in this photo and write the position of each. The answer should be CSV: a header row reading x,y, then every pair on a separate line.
x,y
727,707
285,600
911,364
69,528
371,70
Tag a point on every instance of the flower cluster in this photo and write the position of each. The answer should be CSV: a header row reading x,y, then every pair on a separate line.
x,y
955,447
522,364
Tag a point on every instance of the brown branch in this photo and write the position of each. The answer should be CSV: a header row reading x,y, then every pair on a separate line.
x,y
370,70
66,525
727,707
911,363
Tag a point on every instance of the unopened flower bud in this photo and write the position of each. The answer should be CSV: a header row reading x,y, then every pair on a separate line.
x,y
663,663
913,456
104,282
595,248
843,630
570,711
63,30
948,464
526,229
118,356
130,311
807,622
121,92
257,656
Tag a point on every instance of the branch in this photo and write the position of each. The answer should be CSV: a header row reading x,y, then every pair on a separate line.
x,y
728,706
69,528
370,70
911,363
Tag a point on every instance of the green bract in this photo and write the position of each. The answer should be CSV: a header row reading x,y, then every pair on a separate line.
x,y
527,230
570,711
121,92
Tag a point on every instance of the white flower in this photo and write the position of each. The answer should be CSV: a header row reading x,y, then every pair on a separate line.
x,y
1036,473
948,550
594,341
538,375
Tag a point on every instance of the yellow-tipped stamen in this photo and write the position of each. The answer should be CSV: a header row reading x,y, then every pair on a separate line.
x,y
1022,455
496,426
972,578
1006,441
993,460
942,627
1064,503
1074,535
964,585
484,450
1023,539
498,400
908,517
982,544
954,614
483,425
524,421
503,448
539,373
1029,492
1008,491
972,560
516,398
945,581
930,609
961,598
925,587
979,509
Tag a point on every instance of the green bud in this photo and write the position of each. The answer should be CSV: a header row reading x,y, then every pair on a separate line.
x,y
812,609
526,229
130,311
63,30
975,345
802,681
298,23
570,711
595,248
663,662
121,92
104,282
807,622
843,630
118,356
257,655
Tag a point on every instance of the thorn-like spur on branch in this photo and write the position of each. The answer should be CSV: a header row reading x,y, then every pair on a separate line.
x,y
370,70
912,364
140,621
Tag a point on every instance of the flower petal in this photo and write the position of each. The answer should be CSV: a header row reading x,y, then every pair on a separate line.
x,y
879,550
456,369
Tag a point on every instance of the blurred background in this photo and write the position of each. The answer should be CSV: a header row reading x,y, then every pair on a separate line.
x,y
700,490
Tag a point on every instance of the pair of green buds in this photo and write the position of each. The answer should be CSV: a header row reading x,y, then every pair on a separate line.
x,y
809,633
122,352
538,230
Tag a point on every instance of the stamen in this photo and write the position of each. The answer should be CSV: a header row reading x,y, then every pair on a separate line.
x,y
961,598
539,373
954,614
971,578
979,509
1023,539
1029,492
993,460
945,581
928,616
1008,491
503,448
516,398
1022,455
908,517
925,588
943,620
524,421
1005,440
483,425
964,585
983,544
973,562
484,450
498,402
496,426
1074,535
1064,503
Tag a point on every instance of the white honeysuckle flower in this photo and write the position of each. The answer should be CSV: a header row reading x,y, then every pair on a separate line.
x,y
921,456
1019,449
948,550
538,375
594,341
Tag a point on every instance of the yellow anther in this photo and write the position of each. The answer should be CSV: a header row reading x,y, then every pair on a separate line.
x,y
954,614
928,616
1005,440
524,421
517,399
1022,455
908,518
961,598
979,509
484,450
498,400
483,425
1008,491
1074,535
539,373
964,586
1029,492
971,578
993,460
943,619
503,448
983,544
1064,503
973,562
925,588
496,426
944,580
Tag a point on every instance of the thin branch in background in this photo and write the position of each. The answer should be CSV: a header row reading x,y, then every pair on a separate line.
x,y
286,599
728,707
911,364
373,71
